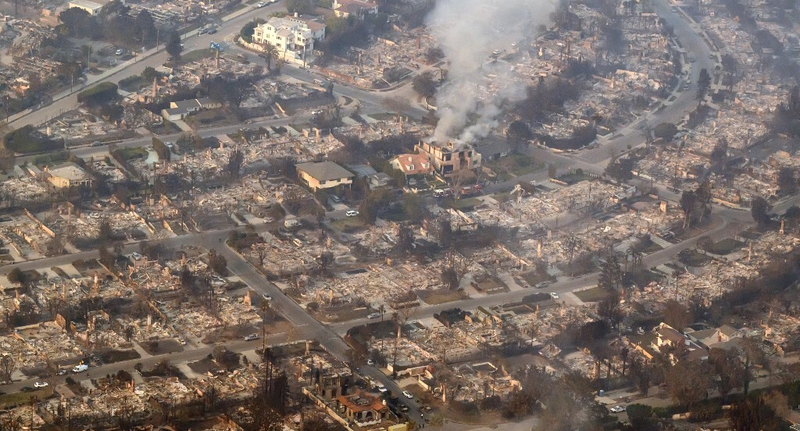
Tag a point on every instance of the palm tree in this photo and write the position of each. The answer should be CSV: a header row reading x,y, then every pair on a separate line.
x,y
269,52
635,253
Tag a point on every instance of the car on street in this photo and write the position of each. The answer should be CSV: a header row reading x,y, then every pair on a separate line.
x,y
408,395
261,4
267,297
212,31
617,409
553,295
41,384
118,52
374,315
251,337
370,362
80,368
352,213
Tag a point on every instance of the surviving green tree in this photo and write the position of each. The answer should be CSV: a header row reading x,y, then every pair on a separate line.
x,y
703,84
174,47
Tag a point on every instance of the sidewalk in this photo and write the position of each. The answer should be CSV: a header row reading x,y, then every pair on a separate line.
x,y
143,353
90,80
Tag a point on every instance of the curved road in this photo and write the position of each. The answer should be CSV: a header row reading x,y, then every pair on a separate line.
x,y
632,135
725,220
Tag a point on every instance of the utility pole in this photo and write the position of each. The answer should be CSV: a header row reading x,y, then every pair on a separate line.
x,y
382,310
264,307
396,340
33,409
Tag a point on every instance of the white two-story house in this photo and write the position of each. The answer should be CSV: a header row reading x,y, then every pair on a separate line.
x,y
293,37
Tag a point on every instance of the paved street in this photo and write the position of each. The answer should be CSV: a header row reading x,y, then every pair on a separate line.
x,y
633,135
725,221
154,57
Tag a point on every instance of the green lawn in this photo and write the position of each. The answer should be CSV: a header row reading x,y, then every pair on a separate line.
x,y
132,83
693,258
514,165
725,246
215,117
466,203
20,398
534,277
651,247
51,159
574,178
28,140
519,164
112,356
594,294
132,153
536,297
195,55
442,296
348,224
502,197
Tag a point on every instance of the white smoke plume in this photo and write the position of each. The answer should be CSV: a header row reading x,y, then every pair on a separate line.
x,y
468,32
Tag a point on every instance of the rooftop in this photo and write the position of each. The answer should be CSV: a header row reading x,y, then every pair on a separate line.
x,y
86,4
361,401
355,6
69,171
412,164
324,171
